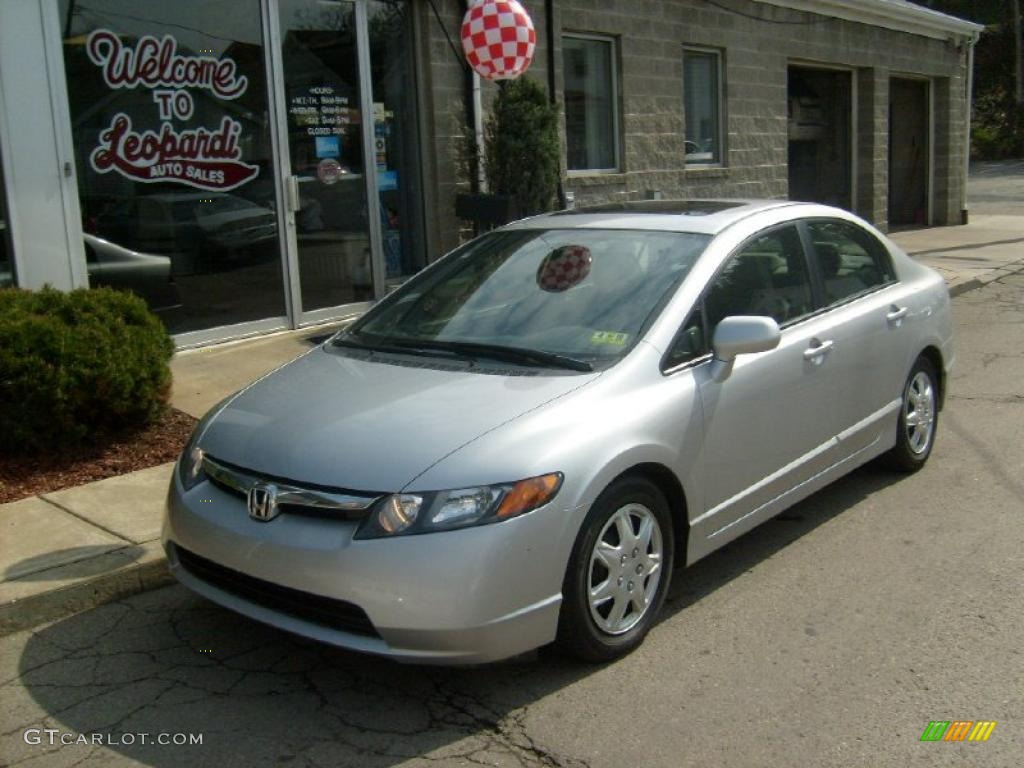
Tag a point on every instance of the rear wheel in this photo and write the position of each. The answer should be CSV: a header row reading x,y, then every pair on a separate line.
x,y
619,572
919,415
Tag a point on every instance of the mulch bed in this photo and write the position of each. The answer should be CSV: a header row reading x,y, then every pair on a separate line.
x,y
162,441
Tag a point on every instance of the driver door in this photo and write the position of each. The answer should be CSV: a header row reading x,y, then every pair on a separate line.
x,y
769,426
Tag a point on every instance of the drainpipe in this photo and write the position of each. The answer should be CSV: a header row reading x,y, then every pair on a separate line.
x,y
478,134
964,212
474,115
549,25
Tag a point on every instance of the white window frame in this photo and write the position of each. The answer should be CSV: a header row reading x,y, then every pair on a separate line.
x,y
719,55
616,120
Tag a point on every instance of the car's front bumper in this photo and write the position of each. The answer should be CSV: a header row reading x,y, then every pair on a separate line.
x,y
468,596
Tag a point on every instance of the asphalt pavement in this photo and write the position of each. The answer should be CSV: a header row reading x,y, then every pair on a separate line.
x,y
996,187
830,636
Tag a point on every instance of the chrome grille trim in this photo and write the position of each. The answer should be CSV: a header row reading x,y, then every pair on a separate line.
x,y
287,494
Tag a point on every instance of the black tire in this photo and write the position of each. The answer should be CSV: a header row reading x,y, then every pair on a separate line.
x,y
904,456
578,632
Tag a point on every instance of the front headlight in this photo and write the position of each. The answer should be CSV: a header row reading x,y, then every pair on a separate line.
x,y
190,465
409,513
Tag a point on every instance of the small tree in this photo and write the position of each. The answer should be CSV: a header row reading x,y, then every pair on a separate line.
x,y
521,146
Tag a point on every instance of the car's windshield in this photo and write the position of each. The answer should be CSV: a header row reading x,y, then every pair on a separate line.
x,y
585,294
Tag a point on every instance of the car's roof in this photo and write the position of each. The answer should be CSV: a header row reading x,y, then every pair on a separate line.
x,y
701,216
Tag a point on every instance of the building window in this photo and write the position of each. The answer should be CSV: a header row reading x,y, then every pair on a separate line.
x,y
591,98
702,100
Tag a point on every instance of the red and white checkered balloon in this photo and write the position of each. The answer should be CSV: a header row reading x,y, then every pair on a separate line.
x,y
563,268
498,38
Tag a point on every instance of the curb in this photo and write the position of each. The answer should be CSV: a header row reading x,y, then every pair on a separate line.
x,y
1013,268
964,287
51,605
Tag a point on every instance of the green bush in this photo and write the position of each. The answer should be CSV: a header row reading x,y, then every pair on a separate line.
x,y
76,367
521,146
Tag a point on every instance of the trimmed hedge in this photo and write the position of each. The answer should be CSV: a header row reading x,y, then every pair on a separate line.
x,y
78,366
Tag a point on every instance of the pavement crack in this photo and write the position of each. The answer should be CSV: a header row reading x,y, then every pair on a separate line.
x,y
1000,399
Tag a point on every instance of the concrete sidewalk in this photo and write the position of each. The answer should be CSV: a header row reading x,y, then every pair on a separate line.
x,y
991,246
74,549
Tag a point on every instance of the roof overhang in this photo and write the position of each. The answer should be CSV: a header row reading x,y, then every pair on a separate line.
x,y
898,15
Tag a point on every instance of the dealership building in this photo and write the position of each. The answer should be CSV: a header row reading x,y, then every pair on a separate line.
x,y
250,166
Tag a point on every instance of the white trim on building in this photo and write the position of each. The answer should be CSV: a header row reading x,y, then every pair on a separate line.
x,y
898,15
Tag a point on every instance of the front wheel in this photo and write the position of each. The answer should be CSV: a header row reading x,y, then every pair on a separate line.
x,y
919,415
619,572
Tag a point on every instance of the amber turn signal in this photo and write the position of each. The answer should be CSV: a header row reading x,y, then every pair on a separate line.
x,y
529,494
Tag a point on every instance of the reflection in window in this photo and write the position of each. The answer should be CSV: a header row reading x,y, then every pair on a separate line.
x,y
171,137
767,277
581,292
591,120
701,93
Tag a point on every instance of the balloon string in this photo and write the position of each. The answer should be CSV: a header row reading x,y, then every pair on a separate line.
x,y
451,44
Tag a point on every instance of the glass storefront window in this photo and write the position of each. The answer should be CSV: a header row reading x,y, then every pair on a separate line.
x,y
6,257
172,143
397,148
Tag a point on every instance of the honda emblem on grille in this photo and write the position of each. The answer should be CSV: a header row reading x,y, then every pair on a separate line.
x,y
262,502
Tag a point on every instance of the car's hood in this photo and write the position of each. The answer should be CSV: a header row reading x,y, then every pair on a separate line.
x,y
361,425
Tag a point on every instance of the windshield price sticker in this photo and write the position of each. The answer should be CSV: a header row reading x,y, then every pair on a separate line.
x,y
609,337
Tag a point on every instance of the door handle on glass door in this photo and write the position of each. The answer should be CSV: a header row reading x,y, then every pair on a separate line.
x,y
896,313
818,350
292,194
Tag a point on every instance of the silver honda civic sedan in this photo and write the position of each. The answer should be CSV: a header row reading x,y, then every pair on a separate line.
x,y
518,445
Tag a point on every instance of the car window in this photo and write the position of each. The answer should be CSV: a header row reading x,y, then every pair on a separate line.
x,y
850,259
691,342
768,276
584,293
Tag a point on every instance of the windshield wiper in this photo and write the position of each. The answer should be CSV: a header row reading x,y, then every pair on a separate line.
x,y
520,355
391,347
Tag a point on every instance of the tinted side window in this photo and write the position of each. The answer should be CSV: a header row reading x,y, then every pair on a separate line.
x,y
850,259
768,276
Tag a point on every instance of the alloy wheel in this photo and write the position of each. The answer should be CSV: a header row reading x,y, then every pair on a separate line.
x,y
919,413
625,569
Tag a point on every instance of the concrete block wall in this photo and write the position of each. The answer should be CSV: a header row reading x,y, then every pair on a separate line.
x,y
872,145
757,53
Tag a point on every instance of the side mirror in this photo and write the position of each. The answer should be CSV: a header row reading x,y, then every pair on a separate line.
x,y
741,335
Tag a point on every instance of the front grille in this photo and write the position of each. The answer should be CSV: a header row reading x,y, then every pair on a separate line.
x,y
294,498
324,611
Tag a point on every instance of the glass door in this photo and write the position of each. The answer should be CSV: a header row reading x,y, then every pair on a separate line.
x,y
323,99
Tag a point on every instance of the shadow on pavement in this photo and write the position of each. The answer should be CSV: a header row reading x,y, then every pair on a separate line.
x,y
169,662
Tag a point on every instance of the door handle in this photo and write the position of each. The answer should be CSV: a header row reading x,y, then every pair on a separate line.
x,y
820,349
896,313
292,194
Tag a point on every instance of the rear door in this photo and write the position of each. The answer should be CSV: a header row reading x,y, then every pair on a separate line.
x,y
771,424
865,305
